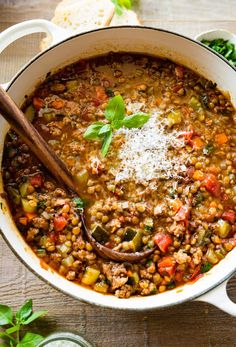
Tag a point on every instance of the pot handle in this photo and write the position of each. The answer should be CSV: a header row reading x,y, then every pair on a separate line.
x,y
30,27
19,30
219,298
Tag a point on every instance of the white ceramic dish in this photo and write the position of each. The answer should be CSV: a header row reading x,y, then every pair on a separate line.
x,y
216,34
212,286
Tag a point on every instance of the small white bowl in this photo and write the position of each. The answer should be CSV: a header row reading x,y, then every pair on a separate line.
x,y
216,34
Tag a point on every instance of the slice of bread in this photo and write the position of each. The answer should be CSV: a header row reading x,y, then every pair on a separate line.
x,y
81,15
77,16
127,17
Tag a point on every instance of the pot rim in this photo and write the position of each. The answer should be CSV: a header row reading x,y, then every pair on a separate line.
x,y
89,300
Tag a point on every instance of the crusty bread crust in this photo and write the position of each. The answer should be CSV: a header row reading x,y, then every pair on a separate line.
x,y
78,16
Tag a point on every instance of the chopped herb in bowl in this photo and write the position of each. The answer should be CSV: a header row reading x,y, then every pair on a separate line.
x,y
224,47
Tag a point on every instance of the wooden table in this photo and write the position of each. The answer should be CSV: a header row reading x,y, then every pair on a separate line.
x,y
191,324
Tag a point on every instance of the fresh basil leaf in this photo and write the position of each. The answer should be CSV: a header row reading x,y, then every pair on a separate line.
x,y
24,312
30,340
6,315
13,329
35,316
92,131
115,109
136,120
120,4
206,267
5,336
106,143
105,129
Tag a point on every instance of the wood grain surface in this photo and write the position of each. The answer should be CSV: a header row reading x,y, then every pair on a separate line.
x,y
191,324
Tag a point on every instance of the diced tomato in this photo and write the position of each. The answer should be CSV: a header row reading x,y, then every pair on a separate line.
x,y
179,71
36,180
163,241
183,213
38,103
179,276
229,216
188,134
101,94
167,266
59,223
96,102
211,184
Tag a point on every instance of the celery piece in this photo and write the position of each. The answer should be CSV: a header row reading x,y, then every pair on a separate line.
x,y
30,113
212,256
15,196
71,84
195,104
101,287
68,261
223,228
29,206
90,275
174,117
24,189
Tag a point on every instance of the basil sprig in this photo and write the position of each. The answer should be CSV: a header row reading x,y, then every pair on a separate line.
x,y
13,324
115,115
121,4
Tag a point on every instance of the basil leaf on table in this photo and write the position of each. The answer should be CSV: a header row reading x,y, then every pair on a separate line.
x,y
6,315
136,120
30,340
24,312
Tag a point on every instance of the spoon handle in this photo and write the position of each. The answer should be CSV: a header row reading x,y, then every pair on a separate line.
x,y
34,140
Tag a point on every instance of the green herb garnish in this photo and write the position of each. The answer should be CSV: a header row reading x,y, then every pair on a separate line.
x,y
41,204
13,324
115,114
208,149
206,267
121,4
79,202
223,47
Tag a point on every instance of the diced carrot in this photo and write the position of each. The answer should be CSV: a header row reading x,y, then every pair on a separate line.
x,y
30,215
198,175
213,169
221,139
158,101
101,94
59,223
197,143
163,241
211,184
176,204
23,220
167,266
38,103
58,104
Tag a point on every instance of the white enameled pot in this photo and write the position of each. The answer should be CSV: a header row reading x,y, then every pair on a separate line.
x,y
212,286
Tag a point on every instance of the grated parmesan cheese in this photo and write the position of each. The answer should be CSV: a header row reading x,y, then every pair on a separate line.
x,y
146,155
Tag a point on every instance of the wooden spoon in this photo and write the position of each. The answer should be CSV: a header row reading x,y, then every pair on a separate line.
x,y
16,118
